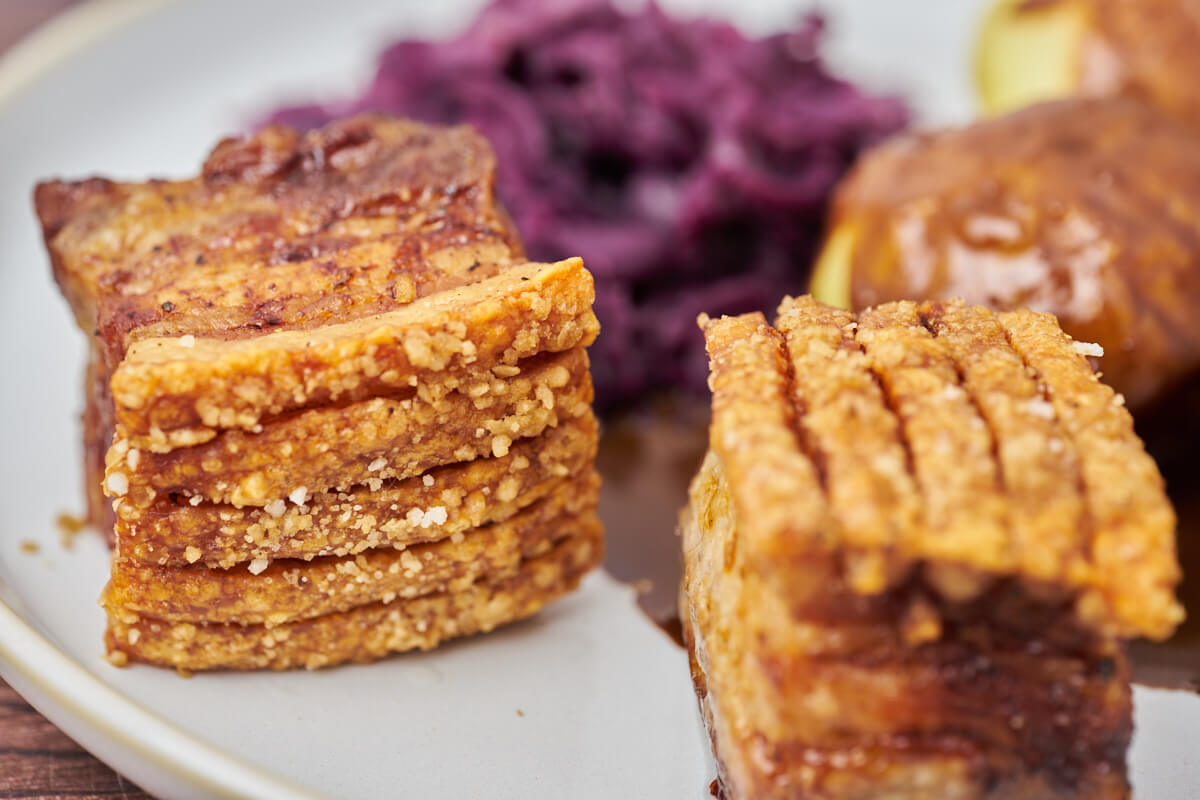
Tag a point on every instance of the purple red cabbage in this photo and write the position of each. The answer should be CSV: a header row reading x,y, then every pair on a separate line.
x,y
688,164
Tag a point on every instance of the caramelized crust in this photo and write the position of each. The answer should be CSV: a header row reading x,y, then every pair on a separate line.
x,y
752,431
364,633
172,532
280,230
974,447
339,447
289,590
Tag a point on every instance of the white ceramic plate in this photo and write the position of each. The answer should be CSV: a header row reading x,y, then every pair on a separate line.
x,y
589,700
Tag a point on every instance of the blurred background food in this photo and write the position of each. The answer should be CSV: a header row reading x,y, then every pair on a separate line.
x,y
688,163
1078,195
694,183
1086,208
1031,50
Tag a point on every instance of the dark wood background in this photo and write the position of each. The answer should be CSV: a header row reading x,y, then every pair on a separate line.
x,y
37,760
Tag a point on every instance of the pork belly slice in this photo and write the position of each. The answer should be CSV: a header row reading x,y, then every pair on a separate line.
x,y
182,390
280,230
336,447
266,592
364,633
900,571
173,531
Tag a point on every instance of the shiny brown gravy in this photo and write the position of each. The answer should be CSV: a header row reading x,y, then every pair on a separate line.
x,y
647,459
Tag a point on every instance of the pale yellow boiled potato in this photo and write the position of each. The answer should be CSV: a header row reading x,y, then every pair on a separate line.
x,y
1029,52
831,276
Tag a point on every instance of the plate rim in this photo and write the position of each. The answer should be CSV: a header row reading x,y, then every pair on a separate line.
x,y
60,37
78,694
27,657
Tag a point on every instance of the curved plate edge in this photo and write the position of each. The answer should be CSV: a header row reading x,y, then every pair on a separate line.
x,y
168,762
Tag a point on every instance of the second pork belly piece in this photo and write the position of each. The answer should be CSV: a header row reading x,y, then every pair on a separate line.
x,y
914,552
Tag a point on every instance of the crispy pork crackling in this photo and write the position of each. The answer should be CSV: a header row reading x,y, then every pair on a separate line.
x,y
914,552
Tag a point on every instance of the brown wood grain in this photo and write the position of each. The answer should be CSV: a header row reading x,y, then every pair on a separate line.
x,y
37,760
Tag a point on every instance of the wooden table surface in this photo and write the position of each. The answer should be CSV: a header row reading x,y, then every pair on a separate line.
x,y
37,760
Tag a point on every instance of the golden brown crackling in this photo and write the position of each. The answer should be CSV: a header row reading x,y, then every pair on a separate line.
x,y
872,497
994,506
1039,467
474,493
775,486
365,633
279,229
172,390
1133,544
845,709
338,447
949,445
289,590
